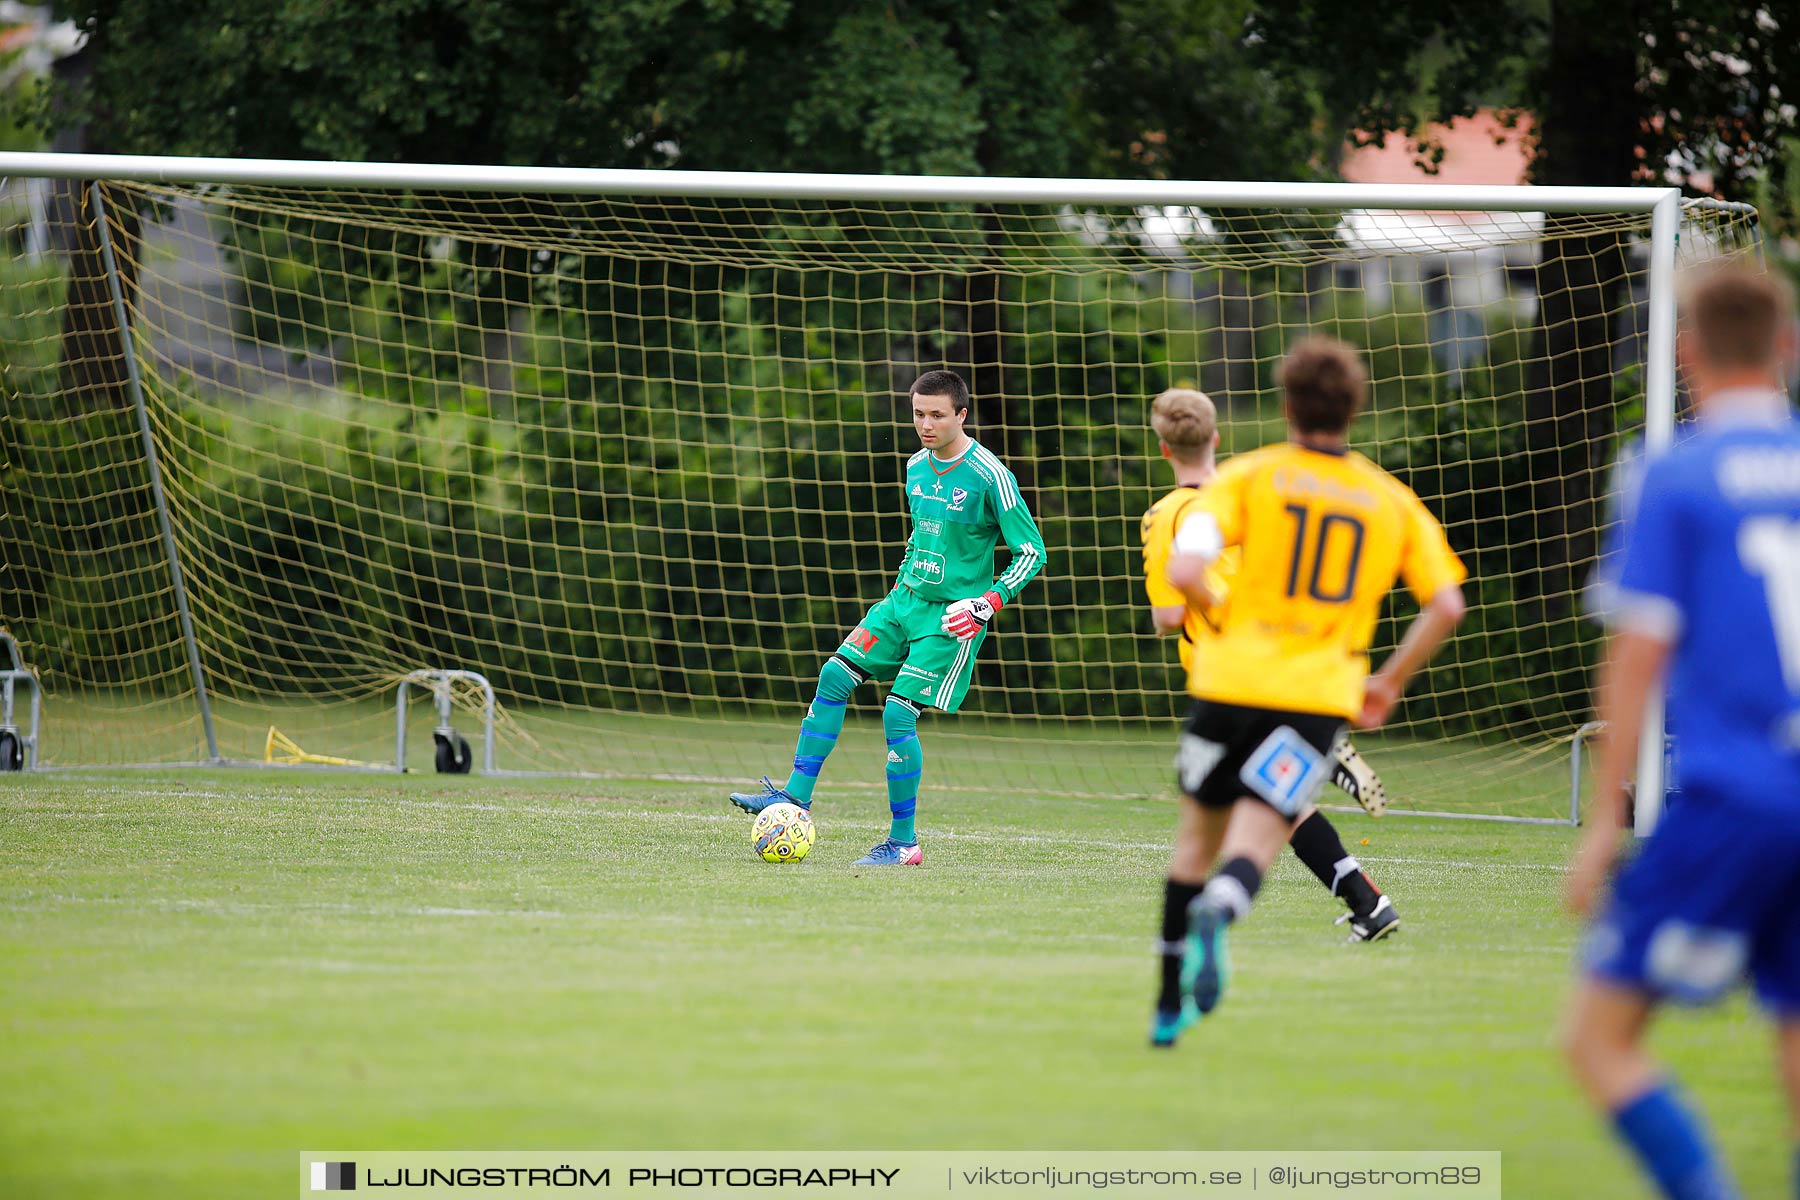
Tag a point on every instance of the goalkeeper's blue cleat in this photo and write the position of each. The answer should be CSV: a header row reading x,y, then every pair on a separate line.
x,y
893,854
755,802
1165,1027
1205,968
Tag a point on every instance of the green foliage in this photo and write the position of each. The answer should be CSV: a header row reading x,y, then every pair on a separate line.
x,y
81,564
18,129
1246,89
531,558
1423,61
31,296
291,508
943,85
671,502
1462,453
694,469
1777,199
22,89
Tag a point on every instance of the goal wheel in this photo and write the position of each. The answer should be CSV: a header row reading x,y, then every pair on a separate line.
x,y
12,752
453,754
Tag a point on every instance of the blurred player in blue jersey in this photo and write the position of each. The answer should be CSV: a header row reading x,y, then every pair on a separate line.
x,y
1708,589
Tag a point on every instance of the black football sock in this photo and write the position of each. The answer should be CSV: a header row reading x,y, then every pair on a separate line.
x,y
1316,842
1232,889
1176,898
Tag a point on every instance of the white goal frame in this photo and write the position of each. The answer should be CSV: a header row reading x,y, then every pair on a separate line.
x,y
1662,203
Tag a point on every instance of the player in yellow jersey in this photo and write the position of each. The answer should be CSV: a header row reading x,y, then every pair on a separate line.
x,y
1322,536
1186,426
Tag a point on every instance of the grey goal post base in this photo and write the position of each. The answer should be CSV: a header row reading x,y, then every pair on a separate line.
x,y
1662,780
18,752
453,755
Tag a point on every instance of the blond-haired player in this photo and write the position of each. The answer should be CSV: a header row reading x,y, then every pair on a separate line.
x,y
1322,535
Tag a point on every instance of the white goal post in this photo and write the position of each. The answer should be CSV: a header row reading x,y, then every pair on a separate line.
x,y
518,421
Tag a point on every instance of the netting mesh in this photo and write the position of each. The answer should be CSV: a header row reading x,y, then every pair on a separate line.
x,y
638,461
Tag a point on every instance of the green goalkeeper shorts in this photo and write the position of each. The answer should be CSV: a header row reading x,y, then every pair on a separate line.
x,y
902,639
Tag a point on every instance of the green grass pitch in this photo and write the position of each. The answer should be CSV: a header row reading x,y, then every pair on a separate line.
x,y
206,972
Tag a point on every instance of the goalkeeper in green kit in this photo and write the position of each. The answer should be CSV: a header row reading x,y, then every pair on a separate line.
x,y
924,635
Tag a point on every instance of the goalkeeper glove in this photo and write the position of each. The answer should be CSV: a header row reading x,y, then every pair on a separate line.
x,y
966,618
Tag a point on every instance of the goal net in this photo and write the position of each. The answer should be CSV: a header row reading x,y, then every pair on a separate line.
x,y
636,459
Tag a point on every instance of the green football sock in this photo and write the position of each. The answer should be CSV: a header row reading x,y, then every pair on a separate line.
x,y
819,730
905,764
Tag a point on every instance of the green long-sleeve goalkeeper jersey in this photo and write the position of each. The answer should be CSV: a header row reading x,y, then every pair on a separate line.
x,y
960,510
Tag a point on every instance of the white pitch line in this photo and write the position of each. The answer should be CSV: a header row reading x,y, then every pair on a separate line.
x,y
1164,846
604,807
239,908
1561,868
1019,839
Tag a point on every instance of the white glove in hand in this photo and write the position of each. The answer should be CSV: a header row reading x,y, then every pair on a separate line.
x,y
966,618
